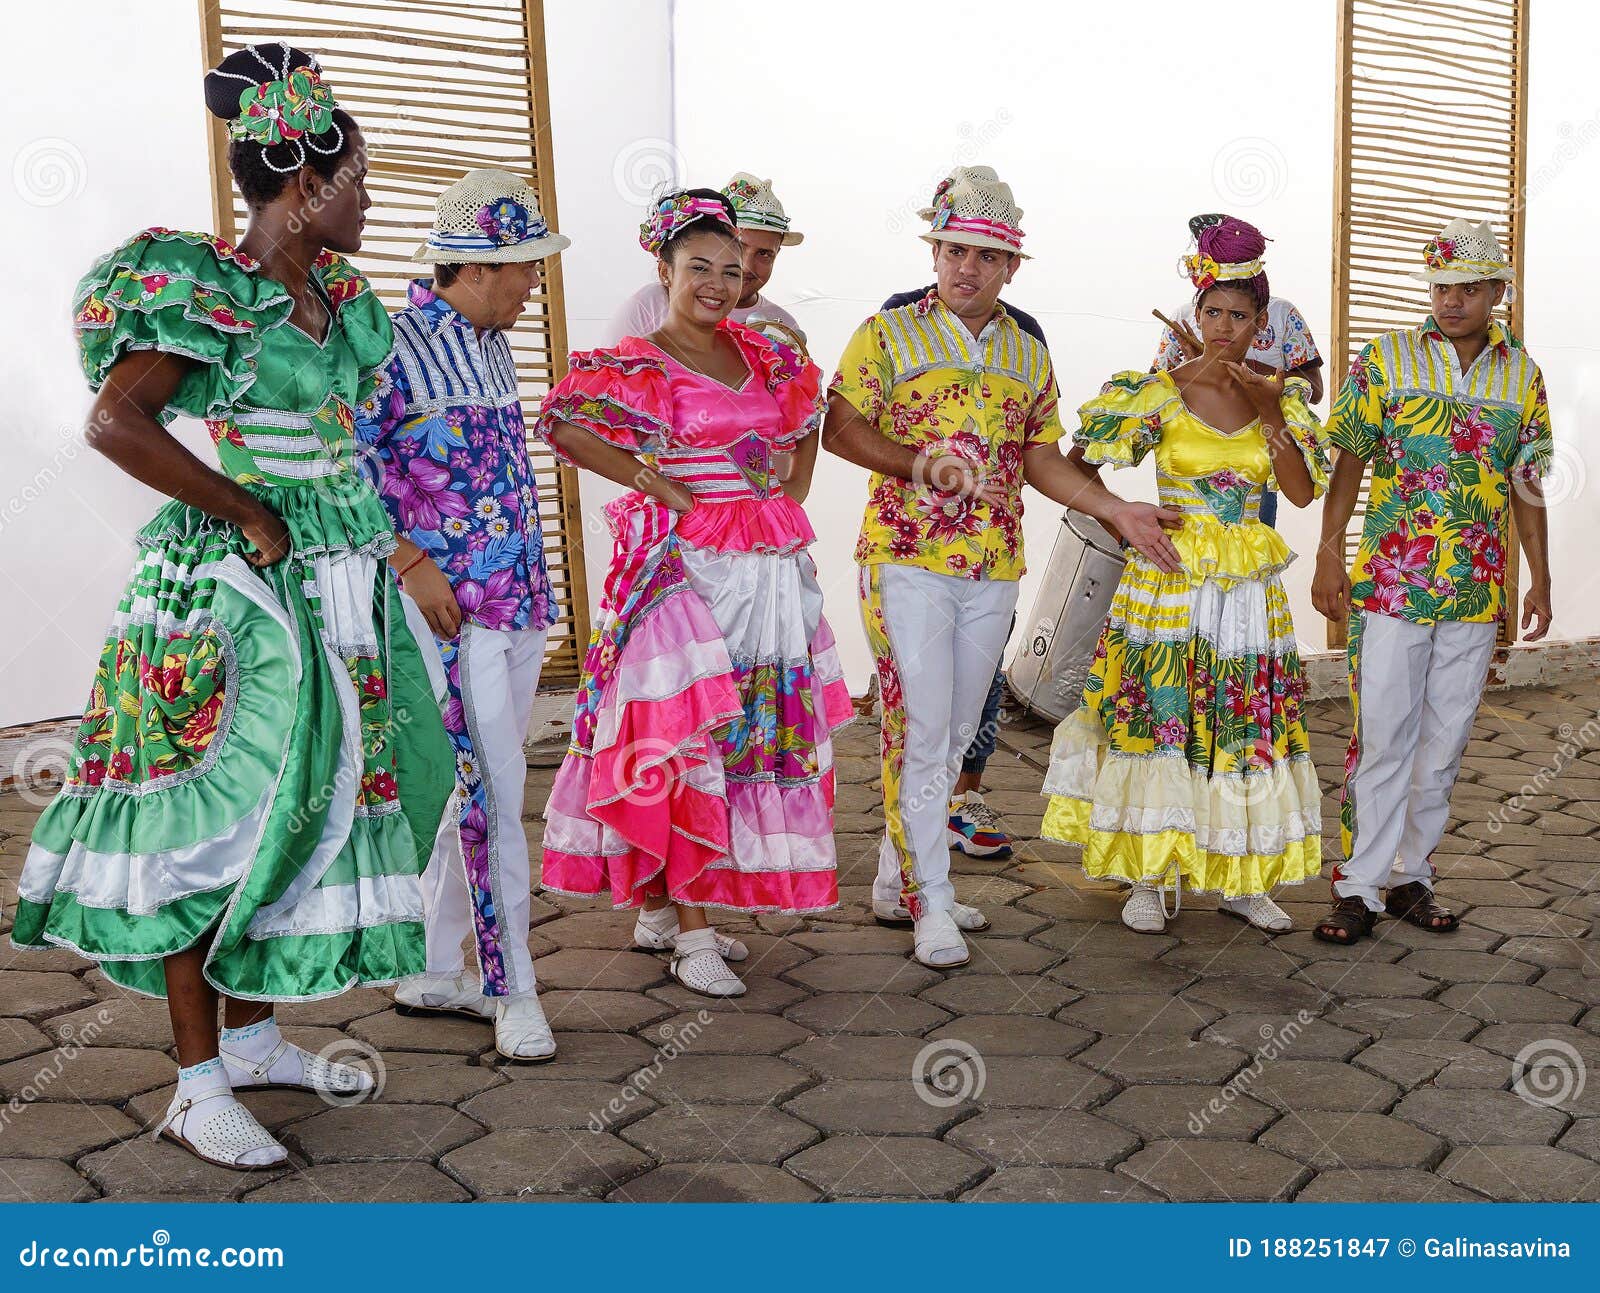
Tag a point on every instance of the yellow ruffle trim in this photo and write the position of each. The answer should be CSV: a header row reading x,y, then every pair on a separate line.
x,y
1229,554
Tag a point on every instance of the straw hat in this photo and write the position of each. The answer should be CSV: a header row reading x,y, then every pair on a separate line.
x,y
756,206
1465,253
974,207
488,217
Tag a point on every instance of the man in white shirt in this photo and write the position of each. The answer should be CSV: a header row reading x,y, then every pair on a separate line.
x,y
763,232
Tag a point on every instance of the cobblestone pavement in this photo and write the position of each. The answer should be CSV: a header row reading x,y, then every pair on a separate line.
x,y
1085,1061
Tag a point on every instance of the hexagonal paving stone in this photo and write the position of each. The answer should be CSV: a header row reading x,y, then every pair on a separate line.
x,y
1511,1040
1290,1035
373,1132
1553,953
362,1183
43,1129
1122,974
1572,984
722,1034
1029,1138
132,1021
1269,960
901,1166
1405,1017
720,1133
714,1183
1058,1185
1358,979
598,930
41,1180
599,969
862,1012
1215,1171
1178,1113
603,1012
763,994
32,994
868,973
1481,1117
1414,1061
1583,1137
1340,1141
1040,1082
993,1035
605,1057
1005,956
1150,1058
424,1077
991,994
1320,1084
842,940
1527,920
1102,938
1468,967
574,1104
389,1031
1403,1185
522,1160
1511,1003
1305,945
1139,1012
335,1012
694,1080
846,1055
1524,1173
110,1074
878,1106
162,1168
18,1037
1240,992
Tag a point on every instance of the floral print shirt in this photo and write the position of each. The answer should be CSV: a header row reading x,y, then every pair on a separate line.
x,y
445,428
918,376
1446,447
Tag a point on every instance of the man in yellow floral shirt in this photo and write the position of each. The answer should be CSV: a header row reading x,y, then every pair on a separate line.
x,y
952,406
1453,417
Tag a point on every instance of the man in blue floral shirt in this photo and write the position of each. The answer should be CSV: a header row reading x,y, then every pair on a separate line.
x,y
446,429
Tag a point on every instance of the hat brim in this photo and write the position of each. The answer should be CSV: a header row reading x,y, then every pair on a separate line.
x,y
791,238
1504,275
966,239
515,254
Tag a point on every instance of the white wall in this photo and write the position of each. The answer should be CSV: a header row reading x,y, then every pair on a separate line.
x,y
1086,110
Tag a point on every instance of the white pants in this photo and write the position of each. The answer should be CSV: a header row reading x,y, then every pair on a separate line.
x,y
1416,694
484,889
943,637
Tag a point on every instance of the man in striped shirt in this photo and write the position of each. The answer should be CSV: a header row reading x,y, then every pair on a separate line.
x,y
446,430
1453,417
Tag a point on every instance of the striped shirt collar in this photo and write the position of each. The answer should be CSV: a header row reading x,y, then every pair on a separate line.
x,y
434,308
933,301
1499,338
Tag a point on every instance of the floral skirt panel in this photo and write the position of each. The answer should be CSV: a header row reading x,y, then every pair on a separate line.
x,y
261,770
701,765
1190,748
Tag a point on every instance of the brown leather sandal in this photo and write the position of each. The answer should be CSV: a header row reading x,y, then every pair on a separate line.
x,y
1350,921
1414,904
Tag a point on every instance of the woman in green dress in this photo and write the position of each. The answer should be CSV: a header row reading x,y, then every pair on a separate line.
x,y
262,765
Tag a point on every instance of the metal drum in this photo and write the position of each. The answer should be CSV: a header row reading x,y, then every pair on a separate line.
x,y
1055,651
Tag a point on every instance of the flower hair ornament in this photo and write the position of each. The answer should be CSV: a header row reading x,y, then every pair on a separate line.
x,y
672,215
294,108
1204,272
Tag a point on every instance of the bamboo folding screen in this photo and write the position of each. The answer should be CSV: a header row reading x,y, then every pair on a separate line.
x,y
1431,124
439,88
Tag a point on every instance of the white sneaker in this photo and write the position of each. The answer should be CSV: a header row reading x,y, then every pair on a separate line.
x,y
896,915
521,1032
1143,912
443,994
1259,910
217,1129
938,943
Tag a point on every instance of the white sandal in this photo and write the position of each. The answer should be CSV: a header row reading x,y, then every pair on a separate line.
x,y
647,940
1144,912
1259,910
705,972
316,1074
222,1139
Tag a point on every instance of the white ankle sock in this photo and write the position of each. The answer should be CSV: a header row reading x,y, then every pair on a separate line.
x,y
663,920
243,1049
697,940
196,1080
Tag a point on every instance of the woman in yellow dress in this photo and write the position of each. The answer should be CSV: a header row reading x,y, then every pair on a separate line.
x,y
1189,754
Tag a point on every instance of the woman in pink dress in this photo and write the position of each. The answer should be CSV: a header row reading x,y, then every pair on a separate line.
x,y
701,768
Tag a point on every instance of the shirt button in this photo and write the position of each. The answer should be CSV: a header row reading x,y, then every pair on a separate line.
x,y
979,403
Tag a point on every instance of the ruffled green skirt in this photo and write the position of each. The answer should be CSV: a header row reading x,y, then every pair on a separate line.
x,y
261,768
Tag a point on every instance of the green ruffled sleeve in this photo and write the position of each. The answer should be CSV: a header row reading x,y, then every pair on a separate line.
x,y
362,318
1124,422
187,294
1306,428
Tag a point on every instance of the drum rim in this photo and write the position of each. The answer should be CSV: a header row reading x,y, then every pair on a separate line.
x,y
1072,519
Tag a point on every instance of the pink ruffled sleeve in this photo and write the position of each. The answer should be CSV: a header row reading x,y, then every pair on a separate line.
x,y
624,399
795,383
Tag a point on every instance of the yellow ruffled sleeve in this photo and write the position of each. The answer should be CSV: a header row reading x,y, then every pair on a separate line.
x,y
1306,427
1124,422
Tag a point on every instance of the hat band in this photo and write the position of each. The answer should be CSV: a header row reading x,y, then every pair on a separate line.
x,y
763,220
440,241
1203,271
1008,234
1486,266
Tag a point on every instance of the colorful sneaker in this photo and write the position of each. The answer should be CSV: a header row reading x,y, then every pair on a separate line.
x,y
974,828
